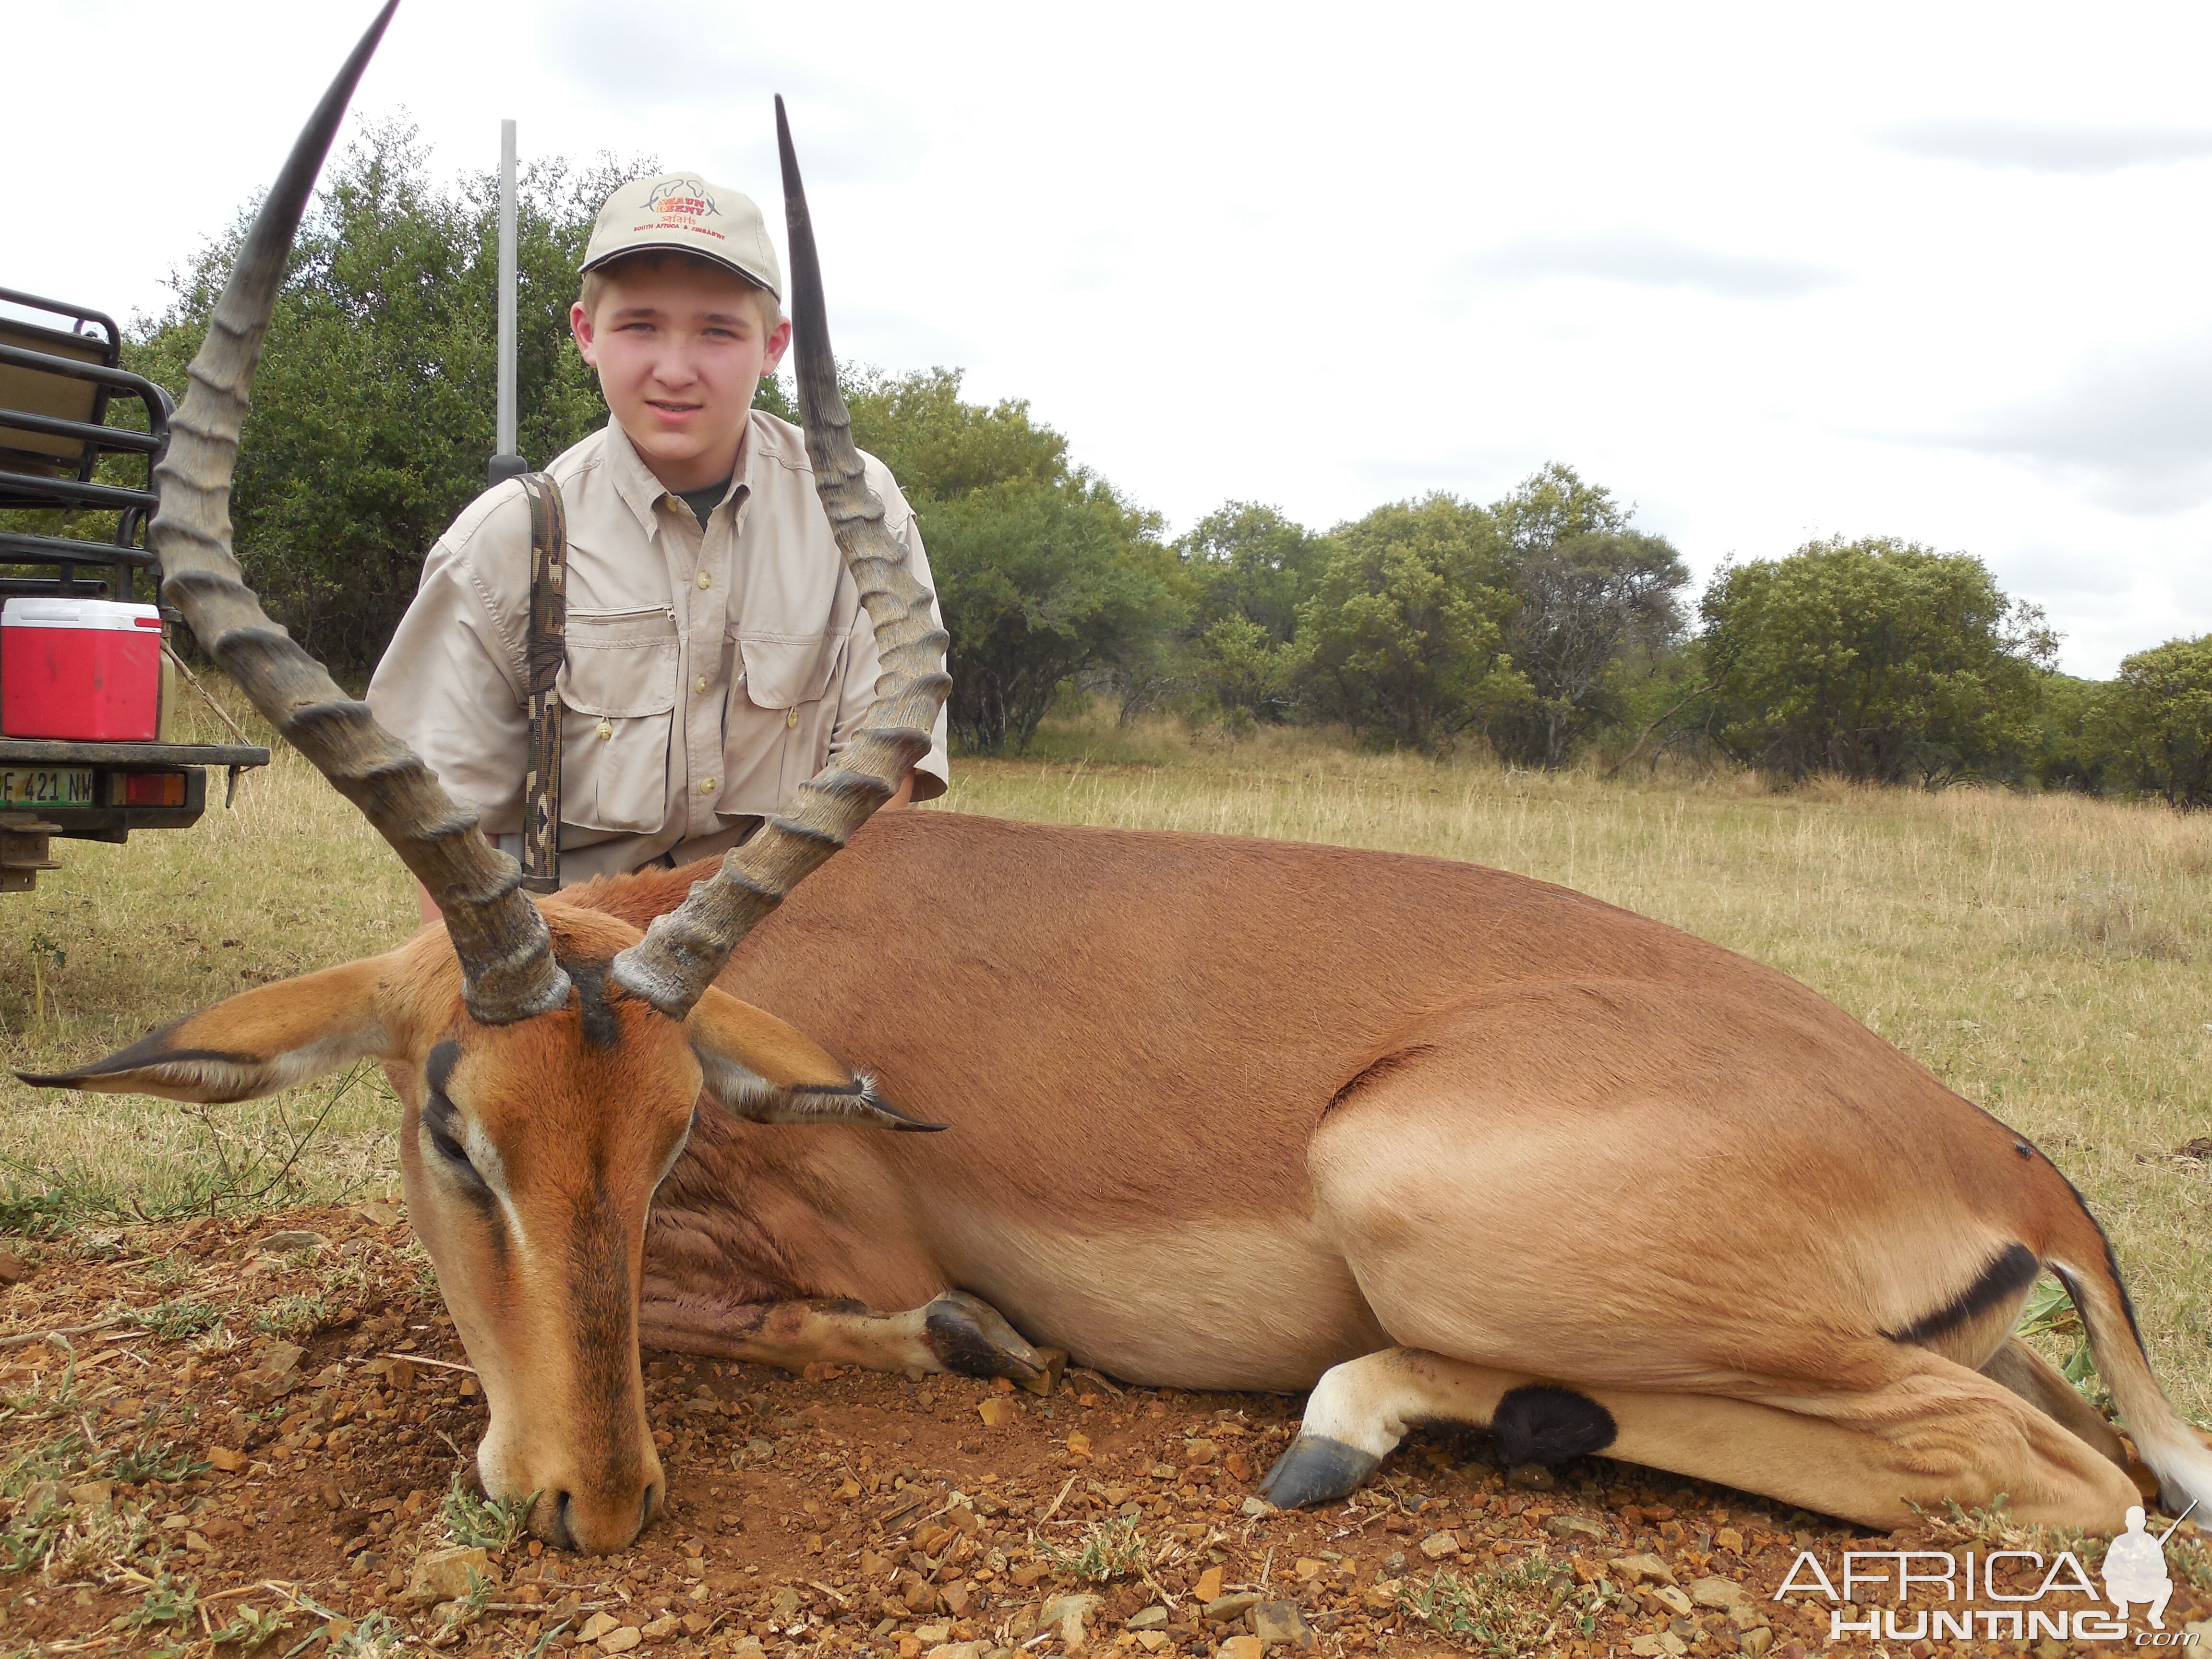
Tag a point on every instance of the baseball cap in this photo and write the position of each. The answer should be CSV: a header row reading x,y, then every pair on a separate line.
x,y
683,211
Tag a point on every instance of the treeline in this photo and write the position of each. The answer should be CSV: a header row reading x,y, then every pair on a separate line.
x,y
1544,627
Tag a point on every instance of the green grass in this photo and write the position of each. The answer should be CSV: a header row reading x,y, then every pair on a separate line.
x,y
2049,956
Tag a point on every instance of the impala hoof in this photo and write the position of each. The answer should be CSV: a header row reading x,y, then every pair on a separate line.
x,y
1314,1470
969,1336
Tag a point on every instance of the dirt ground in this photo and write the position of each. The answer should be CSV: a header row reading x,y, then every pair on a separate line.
x,y
252,1438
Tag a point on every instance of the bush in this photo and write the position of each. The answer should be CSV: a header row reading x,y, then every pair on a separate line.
x,y
2160,716
1879,661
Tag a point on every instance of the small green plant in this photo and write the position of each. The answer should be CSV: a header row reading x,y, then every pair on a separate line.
x,y
298,1316
94,1546
251,1628
374,1637
426,1271
219,1338
492,1524
31,1532
50,1396
153,1460
172,1321
1109,1549
171,1600
1509,1612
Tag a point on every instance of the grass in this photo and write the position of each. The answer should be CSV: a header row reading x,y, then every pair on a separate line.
x,y
2046,955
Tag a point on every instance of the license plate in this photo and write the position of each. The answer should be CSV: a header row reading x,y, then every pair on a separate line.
x,y
48,787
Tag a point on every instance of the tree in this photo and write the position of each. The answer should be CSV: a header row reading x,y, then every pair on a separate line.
x,y
1043,572
1878,660
2161,713
372,411
1249,568
1403,636
1592,591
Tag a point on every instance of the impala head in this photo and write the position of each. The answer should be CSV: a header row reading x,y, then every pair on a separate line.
x,y
550,1060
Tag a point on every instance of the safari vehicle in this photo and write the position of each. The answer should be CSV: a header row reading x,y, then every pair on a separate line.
x,y
61,378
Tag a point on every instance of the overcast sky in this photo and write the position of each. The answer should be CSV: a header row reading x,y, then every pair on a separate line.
x,y
1768,272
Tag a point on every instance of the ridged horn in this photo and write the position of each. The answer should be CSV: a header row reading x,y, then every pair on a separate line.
x,y
679,956
506,953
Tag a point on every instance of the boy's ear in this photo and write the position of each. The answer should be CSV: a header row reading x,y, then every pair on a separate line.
x,y
758,1067
252,1044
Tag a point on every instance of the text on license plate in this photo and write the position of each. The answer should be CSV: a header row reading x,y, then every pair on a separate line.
x,y
48,786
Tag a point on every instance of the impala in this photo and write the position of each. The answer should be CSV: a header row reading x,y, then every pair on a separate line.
x,y
1430,1140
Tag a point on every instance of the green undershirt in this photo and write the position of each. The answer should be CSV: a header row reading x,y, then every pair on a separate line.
x,y
704,501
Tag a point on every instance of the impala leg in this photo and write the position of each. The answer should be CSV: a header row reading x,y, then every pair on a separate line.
x,y
953,1332
2042,1384
1934,1432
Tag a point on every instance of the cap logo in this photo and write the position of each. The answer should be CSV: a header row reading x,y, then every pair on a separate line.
x,y
686,196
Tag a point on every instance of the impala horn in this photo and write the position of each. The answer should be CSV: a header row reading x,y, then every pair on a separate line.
x,y
682,952
505,952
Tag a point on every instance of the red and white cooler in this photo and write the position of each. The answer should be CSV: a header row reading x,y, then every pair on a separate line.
x,y
86,669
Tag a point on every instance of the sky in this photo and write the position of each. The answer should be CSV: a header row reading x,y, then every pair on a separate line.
x,y
1769,273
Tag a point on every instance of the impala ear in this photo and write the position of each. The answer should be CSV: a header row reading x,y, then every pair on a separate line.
x,y
252,1044
760,1068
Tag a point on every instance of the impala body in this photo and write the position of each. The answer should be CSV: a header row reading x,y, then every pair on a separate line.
x,y
1432,1140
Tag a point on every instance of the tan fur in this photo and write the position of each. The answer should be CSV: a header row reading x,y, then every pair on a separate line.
x,y
1231,1113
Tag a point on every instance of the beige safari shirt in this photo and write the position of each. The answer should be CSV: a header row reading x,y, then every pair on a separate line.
x,y
709,674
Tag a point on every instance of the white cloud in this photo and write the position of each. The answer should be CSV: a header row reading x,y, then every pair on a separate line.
x,y
1639,258
2035,146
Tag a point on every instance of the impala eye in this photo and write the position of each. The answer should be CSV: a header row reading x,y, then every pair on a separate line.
x,y
442,1122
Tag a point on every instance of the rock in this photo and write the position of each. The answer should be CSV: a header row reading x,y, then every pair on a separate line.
x,y
1051,1363
1231,1607
1635,1569
1574,1526
1718,1594
93,1494
1438,1545
597,1625
1198,1453
696,1623
379,1212
286,1243
997,1412
956,1598
872,1564
1280,1624
660,1629
1672,1599
1534,1477
933,1635
1072,1613
443,1575
1259,1508
1242,1647
749,1647
1151,1618
1079,1445
1665,1642
1208,1586
14,1270
1163,1471
1754,1644
1728,1538
783,1606
620,1641
954,1650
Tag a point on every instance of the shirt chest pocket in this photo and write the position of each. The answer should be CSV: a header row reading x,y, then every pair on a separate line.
x,y
780,716
618,700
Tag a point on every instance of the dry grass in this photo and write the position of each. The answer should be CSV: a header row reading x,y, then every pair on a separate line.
x,y
2046,955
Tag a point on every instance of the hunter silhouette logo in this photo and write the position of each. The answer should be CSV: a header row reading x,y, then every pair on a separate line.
x,y
2133,1571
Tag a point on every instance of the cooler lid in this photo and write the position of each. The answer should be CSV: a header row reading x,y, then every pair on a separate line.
x,y
95,614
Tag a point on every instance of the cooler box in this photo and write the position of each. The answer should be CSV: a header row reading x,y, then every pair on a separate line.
x,y
87,669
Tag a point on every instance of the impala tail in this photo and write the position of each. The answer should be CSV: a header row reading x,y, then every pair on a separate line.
x,y
2175,1451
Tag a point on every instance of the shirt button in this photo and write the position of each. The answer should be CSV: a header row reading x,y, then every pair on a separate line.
x,y
706,580
706,786
791,717
701,684
606,728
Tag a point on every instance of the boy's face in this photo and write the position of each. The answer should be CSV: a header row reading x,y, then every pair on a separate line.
x,y
680,351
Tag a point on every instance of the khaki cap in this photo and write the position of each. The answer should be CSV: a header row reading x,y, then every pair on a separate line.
x,y
683,211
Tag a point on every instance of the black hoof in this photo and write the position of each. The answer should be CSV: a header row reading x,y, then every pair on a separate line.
x,y
1314,1470
969,1336
1541,1424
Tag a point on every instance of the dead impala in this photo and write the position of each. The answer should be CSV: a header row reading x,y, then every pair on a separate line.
x,y
1434,1141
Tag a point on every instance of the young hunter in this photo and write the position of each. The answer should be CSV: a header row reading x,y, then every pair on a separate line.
x,y
717,650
